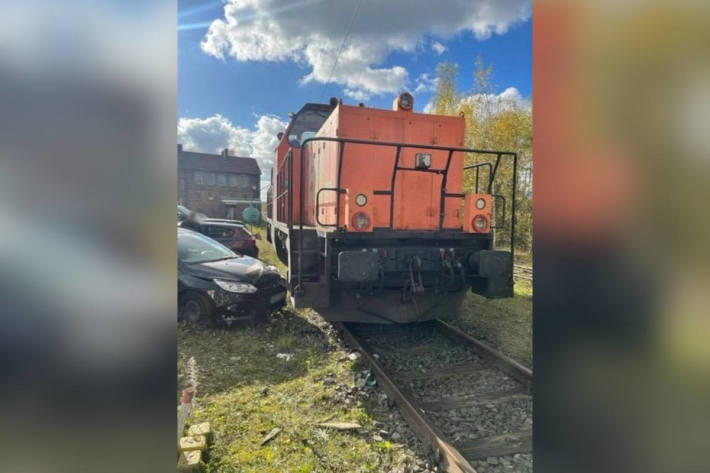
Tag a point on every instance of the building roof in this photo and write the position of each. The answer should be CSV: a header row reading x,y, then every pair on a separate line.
x,y
240,201
217,163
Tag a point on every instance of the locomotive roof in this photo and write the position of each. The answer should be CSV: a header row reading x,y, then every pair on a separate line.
x,y
317,106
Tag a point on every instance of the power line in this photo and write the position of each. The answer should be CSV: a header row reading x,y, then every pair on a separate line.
x,y
342,45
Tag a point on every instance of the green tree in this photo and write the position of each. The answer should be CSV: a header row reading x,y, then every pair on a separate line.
x,y
445,98
493,122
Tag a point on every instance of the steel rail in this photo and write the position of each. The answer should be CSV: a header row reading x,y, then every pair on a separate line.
x,y
522,271
504,363
450,458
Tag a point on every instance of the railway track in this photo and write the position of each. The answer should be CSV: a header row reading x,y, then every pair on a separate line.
x,y
522,272
468,403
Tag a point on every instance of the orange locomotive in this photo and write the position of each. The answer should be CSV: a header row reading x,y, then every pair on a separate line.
x,y
367,209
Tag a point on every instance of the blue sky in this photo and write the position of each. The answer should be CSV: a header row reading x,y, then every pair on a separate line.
x,y
251,69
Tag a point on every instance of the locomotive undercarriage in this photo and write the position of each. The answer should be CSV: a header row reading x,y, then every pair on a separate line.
x,y
393,277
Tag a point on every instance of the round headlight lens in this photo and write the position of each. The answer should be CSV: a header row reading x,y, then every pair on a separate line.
x,y
405,101
480,223
481,204
361,221
361,199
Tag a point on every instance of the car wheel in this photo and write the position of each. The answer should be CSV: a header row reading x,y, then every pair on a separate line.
x,y
196,309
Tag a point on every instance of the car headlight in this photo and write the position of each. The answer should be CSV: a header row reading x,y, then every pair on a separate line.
x,y
234,286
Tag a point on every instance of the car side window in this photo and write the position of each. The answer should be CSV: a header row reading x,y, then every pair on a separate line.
x,y
212,231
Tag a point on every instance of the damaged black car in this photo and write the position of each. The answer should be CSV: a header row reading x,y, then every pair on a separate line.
x,y
218,286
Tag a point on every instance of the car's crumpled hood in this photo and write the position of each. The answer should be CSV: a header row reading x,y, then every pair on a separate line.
x,y
241,268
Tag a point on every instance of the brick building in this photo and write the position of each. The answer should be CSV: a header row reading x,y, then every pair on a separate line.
x,y
217,185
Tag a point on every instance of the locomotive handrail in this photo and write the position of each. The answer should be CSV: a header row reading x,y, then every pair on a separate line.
x,y
512,200
333,189
477,166
398,146
498,196
276,199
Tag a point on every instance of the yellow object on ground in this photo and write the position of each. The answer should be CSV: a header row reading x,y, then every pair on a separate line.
x,y
199,429
190,461
194,442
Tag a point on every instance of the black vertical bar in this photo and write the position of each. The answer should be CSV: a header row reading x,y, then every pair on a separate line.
x,y
337,192
289,182
477,180
444,179
394,177
492,176
301,210
512,214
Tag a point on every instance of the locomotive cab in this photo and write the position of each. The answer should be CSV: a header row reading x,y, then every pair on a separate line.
x,y
378,217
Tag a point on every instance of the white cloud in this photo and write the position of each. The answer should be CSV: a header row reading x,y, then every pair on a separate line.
x,y
212,134
509,99
425,83
438,48
310,32
511,94
357,94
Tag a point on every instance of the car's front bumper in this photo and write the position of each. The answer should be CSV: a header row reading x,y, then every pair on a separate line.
x,y
230,306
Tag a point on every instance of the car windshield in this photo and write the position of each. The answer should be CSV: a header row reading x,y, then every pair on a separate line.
x,y
197,248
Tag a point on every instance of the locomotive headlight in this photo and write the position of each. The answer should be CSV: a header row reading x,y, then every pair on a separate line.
x,y
361,221
361,199
481,204
480,223
406,101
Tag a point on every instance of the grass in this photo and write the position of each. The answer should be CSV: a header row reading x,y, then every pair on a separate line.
x,y
244,390
266,251
523,257
505,324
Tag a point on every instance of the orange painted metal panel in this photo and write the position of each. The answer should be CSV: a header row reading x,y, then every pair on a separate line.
x,y
369,167
471,212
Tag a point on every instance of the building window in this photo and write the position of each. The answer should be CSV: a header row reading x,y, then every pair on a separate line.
x,y
221,180
199,178
181,184
242,181
210,179
232,180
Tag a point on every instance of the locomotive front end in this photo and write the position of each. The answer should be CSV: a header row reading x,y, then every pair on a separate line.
x,y
392,226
